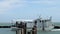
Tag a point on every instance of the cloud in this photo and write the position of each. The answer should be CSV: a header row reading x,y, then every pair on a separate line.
x,y
12,3
47,2
6,5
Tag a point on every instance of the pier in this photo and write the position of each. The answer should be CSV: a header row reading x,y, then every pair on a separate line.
x,y
22,28
5,26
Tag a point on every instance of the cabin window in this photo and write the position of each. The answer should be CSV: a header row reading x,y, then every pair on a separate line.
x,y
29,22
35,22
40,21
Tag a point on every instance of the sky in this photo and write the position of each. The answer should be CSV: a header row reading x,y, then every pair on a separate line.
x,y
29,9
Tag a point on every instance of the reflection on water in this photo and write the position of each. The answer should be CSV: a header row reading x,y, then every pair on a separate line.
x,y
6,31
48,32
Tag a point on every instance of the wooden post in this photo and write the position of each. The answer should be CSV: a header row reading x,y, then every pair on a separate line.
x,y
25,28
29,32
34,30
43,28
16,24
22,31
19,31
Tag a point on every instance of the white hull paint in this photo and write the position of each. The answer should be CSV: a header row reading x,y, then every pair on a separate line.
x,y
55,30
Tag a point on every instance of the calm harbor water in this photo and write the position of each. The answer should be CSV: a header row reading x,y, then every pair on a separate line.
x,y
48,32
8,30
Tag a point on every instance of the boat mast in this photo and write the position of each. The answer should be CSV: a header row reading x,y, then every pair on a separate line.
x,y
50,18
43,28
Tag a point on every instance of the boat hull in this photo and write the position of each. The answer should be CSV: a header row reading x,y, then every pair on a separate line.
x,y
13,28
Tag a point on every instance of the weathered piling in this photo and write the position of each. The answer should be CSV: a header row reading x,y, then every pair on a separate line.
x,y
21,28
28,32
43,28
19,31
25,28
34,30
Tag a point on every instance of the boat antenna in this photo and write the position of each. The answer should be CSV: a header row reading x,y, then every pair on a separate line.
x,y
40,17
50,18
